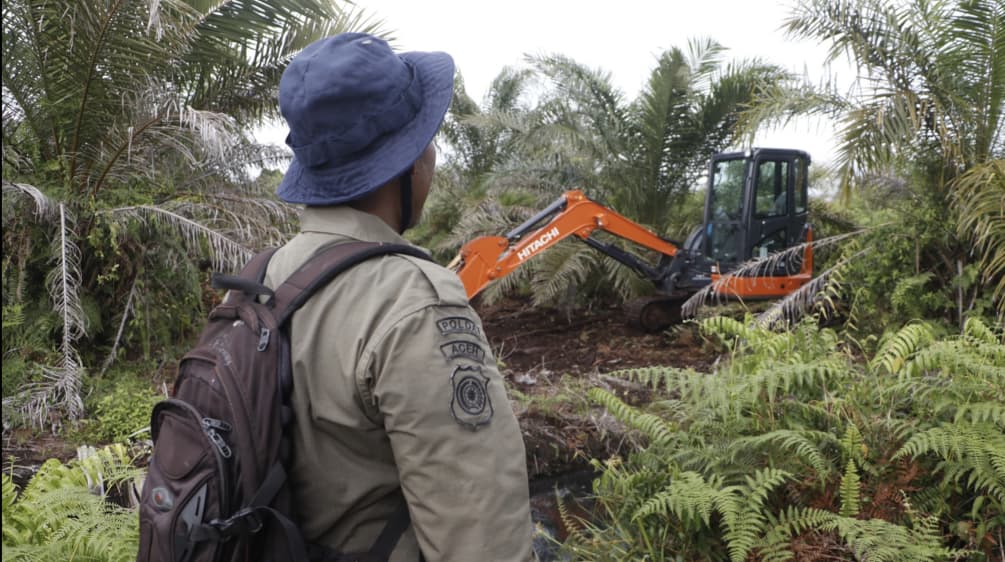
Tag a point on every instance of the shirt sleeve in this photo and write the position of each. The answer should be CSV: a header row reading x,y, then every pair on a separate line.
x,y
455,439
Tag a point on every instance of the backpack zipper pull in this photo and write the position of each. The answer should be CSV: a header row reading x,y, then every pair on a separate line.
x,y
213,423
212,427
263,338
220,443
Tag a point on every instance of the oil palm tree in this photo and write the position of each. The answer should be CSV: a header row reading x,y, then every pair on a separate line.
x,y
929,103
127,152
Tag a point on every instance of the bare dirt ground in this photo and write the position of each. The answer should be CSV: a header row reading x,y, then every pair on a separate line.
x,y
550,359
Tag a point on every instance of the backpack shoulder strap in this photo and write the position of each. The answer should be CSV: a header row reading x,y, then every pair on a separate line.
x,y
251,278
323,266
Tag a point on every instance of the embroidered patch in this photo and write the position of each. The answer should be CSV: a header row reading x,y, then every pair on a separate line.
x,y
458,325
466,349
470,404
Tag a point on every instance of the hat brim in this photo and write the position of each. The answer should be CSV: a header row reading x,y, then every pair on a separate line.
x,y
390,156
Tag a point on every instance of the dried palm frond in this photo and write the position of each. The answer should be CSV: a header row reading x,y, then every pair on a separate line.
x,y
761,267
45,207
64,281
58,393
818,294
226,254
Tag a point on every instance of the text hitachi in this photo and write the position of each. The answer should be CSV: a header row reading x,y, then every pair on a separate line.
x,y
537,244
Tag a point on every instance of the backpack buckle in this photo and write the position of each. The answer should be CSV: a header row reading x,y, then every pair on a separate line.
x,y
244,521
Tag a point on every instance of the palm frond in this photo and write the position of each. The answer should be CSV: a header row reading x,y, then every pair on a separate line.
x,y
45,207
226,254
818,295
64,281
59,389
764,267
980,200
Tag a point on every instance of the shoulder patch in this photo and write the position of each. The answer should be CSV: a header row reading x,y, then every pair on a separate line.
x,y
463,349
458,325
470,404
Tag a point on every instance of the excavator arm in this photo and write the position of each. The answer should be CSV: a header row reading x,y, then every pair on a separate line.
x,y
488,258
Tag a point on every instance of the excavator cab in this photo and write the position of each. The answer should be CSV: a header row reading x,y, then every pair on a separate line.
x,y
756,206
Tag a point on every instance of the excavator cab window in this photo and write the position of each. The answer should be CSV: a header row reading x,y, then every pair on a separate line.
x,y
727,189
771,198
801,183
724,228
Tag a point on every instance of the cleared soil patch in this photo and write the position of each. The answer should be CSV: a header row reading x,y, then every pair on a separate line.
x,y
550,359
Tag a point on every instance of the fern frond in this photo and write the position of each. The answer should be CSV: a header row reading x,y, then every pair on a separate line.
x,y
981,413
658,432
789,523
747,526
852,444
793,378
689,498
572,525
879,540
59,516
976,329
973,455
897,349
657,378
850,491
804,445
724,327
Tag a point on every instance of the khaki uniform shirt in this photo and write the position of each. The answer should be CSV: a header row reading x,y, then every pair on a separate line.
x,y
396,389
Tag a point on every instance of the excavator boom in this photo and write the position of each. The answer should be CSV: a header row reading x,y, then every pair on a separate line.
x,y
488,258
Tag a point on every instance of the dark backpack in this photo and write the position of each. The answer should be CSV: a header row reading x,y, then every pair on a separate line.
x,y
217,486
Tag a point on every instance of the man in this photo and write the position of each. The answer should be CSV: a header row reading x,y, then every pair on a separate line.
x,y
396,391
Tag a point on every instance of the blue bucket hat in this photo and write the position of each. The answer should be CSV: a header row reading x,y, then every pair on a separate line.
x,y
359,115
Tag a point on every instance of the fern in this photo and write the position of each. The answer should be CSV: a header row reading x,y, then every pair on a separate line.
x,y
63,513
981,413
688,498
973,455
898,349
852,444
791,522
692,500
795,403
658,432
747,524
881,541
850,491
803,445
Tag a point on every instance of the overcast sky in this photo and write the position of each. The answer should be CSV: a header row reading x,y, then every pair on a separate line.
x,y
622,37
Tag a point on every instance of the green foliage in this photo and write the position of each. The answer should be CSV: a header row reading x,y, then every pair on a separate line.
x,y
126,148
792,444
850,491
65,513
920,145
123,412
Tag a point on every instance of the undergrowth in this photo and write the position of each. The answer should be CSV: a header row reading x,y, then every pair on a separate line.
x,y
797,449
66,511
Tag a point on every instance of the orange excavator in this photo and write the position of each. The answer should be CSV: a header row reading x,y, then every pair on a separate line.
x,y
756,205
